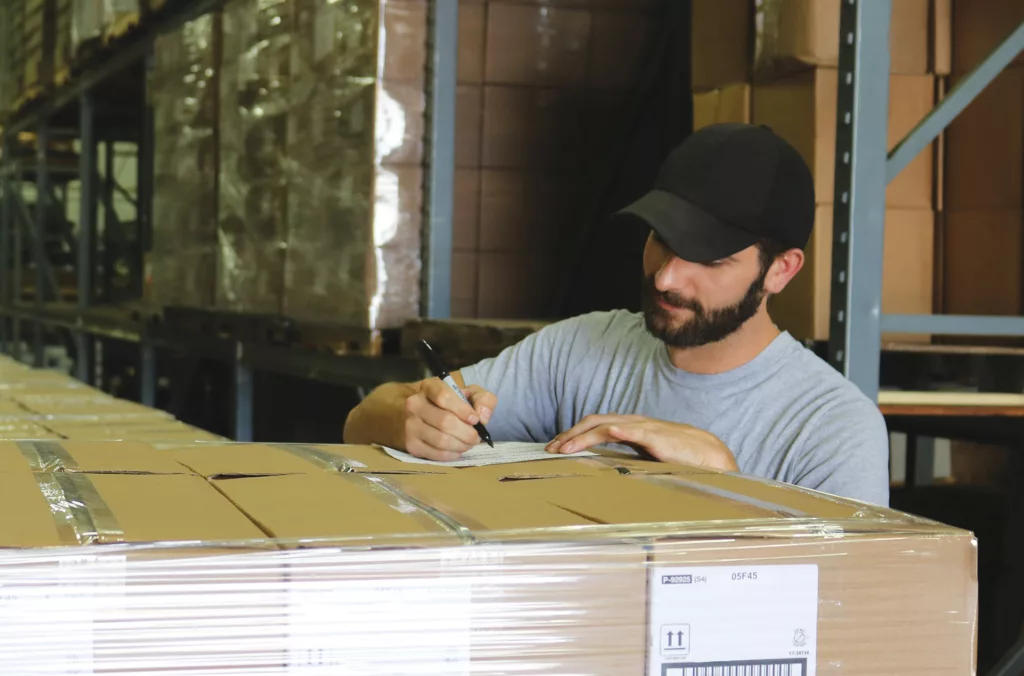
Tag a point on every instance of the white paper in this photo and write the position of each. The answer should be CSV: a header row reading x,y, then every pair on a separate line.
x,y
503,453
380,627
738,619
48,613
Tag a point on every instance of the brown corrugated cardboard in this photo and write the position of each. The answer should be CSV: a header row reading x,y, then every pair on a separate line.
x,y
516,285
387,508
984,146
469,110
253,460
115,508
803,306
722,43
728,104
802,109
532,127
472,31
942,37
794,34
524,211
979,27
733,41
983,271
537,45
86,456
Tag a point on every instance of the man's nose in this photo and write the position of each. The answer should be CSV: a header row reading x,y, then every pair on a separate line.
x,y
675,274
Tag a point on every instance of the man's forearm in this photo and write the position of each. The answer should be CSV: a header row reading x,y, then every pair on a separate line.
x,y
380,418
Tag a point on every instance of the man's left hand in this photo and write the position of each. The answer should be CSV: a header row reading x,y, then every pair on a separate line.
x,y
665,441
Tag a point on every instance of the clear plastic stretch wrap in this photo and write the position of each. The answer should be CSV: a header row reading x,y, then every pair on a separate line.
x,y
321,176
256,86
355,140
203,559
183,92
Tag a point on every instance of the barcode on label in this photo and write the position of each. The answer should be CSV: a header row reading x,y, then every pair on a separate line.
x,y
745,668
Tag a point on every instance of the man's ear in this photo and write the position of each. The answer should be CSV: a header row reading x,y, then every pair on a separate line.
x,y
783,269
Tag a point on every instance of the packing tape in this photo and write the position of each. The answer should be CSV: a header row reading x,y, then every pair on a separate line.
x,y
81,514
679,483
431,515
320,458
47,456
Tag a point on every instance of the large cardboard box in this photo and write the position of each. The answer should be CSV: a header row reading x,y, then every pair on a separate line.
x,y
979,27
737,41
803,307
585,568
802,109
727,104
983,270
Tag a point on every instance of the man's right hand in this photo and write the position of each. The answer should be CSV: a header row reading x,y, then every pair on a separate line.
x,y
439,425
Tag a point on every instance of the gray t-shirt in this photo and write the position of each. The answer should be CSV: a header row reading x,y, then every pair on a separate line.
x,y
786,415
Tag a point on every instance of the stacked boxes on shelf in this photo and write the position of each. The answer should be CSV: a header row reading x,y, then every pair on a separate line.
x,y
183,91
255,89
774,62
355,148
983,238
541,88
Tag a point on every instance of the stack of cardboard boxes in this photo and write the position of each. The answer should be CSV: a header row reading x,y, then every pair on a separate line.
x,y
249,558
774,62
541,88
983,238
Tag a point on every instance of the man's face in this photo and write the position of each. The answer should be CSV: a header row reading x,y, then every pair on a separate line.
x,y
692,304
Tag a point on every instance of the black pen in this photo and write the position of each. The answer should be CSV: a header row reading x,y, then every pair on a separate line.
x,y
439,370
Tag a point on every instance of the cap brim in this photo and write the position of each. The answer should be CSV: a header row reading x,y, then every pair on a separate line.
x,y
692,233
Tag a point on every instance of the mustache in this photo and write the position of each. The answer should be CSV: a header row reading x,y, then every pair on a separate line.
x,y
672,298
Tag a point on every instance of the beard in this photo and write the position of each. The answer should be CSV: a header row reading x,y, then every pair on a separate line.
x,y
705,326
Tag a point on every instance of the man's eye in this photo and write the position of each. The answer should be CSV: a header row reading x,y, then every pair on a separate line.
x,y
715,264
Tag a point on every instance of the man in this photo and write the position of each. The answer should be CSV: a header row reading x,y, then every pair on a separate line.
x,y
702,375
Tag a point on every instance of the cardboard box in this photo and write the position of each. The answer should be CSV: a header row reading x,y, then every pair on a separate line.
x,y
256,460
803,308
728,104
834,585
802,109
983,270
537,45
516,285
532,127
85,456
737,41
984,146
979,27
524,211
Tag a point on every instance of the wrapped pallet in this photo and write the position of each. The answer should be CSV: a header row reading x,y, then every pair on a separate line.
x,y
183,92
255,94
355,141
252,559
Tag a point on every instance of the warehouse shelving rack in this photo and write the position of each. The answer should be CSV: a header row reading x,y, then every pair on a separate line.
x,y
863,170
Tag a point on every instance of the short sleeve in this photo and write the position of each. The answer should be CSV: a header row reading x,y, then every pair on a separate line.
x,y
539,375
845,452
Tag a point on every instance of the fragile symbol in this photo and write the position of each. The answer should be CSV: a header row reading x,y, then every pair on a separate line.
x,y
675,639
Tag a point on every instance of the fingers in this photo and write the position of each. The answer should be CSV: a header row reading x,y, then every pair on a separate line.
x,y
442,396
435,432
592,437
483,402
585,425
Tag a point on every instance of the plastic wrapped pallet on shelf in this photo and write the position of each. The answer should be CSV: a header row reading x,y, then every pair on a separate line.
x,y
355,144
183,91
255,91
249,558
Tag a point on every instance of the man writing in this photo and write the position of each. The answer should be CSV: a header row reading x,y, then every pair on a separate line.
x,y
701,376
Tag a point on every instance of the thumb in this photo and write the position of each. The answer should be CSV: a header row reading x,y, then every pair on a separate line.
x,y
483,402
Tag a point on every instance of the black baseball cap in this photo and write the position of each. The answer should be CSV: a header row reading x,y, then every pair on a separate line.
x,y
725,188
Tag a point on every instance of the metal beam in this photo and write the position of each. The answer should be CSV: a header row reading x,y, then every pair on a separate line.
x,y
437,268
859,211
129,50
954,325
39,234
954,103
243,397
147,374
85,349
